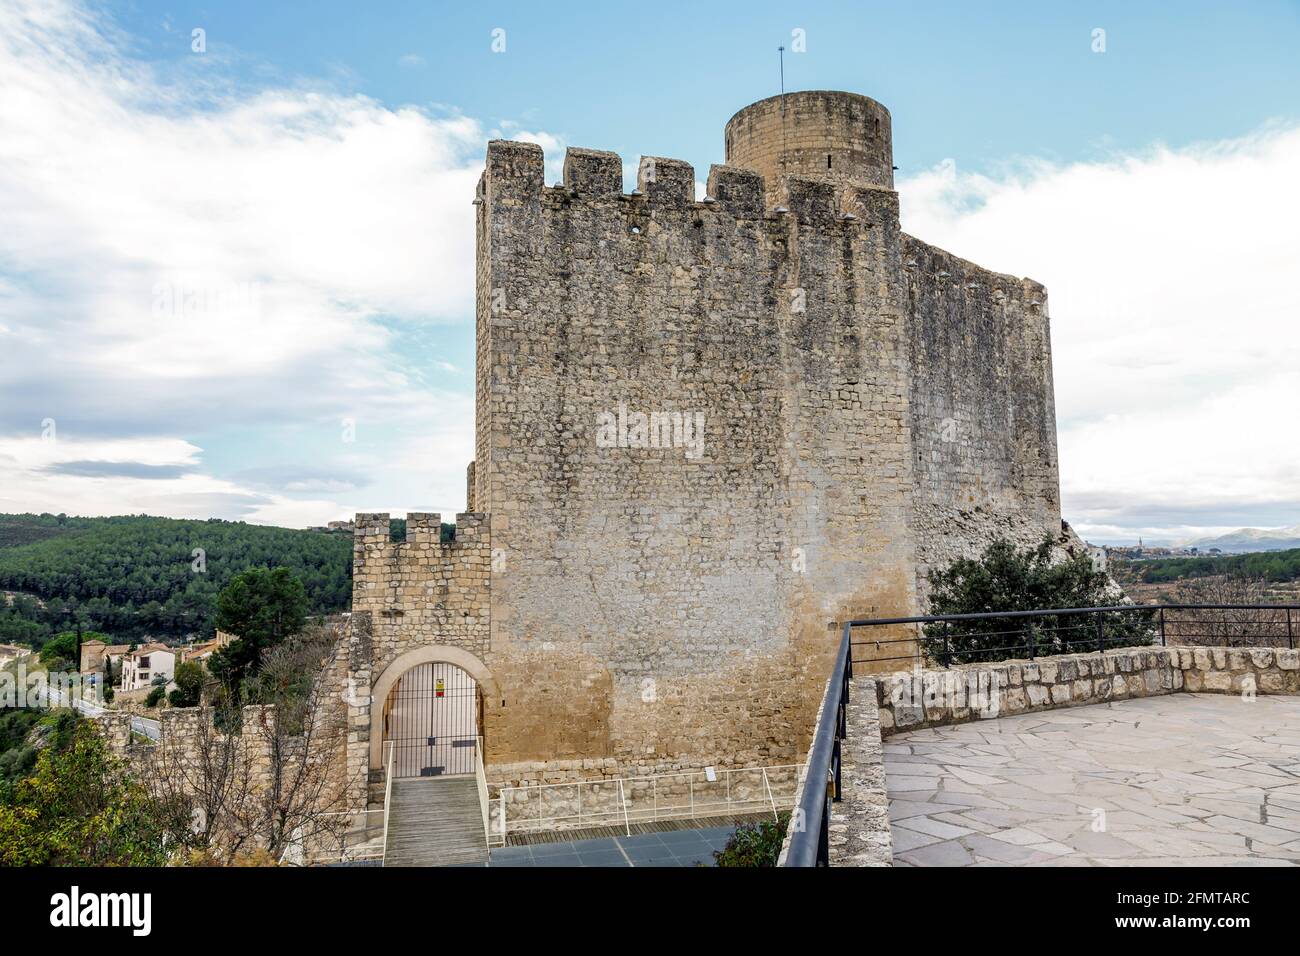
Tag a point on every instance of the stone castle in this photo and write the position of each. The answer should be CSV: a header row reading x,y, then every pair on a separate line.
x,y
706,430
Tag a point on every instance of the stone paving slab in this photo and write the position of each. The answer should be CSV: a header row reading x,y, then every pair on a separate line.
x,y
1179,780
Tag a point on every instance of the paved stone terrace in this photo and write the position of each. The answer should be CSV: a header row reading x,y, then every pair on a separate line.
x,y
1183,779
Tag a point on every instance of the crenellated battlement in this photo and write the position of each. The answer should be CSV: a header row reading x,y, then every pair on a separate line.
x,y
423,530
422,587
513,185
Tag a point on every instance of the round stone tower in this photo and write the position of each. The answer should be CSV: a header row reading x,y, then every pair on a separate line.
x,y
842,138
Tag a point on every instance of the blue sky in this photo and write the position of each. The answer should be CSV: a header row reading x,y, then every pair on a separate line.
x,y
323,155
979,81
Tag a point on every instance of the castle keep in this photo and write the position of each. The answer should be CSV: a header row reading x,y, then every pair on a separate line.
x,y
705,430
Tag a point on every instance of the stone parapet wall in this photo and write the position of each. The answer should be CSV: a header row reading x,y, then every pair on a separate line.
x,y
910,700
1233,670
422,590
859,828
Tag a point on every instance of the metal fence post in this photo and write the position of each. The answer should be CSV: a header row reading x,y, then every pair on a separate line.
x,y
1290,636
823,837
835,760
1162,627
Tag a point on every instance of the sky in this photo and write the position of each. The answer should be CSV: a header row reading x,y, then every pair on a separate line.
x,y
236,268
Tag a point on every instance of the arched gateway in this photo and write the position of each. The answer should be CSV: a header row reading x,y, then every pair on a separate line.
x,y
431,721
428,707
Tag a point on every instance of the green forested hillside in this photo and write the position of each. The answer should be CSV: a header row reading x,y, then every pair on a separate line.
x,y
137,575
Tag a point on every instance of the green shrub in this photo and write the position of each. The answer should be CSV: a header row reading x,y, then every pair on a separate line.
x,y
754,844
1004,579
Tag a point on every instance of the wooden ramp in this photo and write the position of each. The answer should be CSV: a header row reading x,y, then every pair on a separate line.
x,y
435,821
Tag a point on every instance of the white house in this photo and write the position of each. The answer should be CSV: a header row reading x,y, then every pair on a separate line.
x,y
141,666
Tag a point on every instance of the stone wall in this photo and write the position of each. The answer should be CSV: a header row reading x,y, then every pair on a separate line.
x,y
911,700
839,137
982,411
236,778
421,590
689,590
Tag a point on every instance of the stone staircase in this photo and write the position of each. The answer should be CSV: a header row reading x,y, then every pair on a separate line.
x,y
435,821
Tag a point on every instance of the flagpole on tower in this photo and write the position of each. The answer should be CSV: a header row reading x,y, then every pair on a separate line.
x,y
781,57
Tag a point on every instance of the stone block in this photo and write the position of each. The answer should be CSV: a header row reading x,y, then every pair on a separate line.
x,y
739,191
1261,657
1220,681
593,172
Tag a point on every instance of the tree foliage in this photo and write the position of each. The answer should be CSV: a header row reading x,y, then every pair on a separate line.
x,y
261,607
1272,566
61,649
189,679
754,844
1005,579
79,807
139,576
23,732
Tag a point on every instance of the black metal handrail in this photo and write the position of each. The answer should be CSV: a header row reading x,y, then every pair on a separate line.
x,y
810,842
1111,626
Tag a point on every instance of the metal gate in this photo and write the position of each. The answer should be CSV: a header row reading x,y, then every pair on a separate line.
x,y
431,719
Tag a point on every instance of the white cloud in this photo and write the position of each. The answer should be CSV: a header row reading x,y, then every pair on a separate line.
x,y
1174,322
181,254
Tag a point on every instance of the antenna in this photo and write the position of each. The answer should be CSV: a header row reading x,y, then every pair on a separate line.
x,y
781,55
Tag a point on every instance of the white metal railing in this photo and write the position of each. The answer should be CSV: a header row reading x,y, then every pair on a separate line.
x,y
388,795
627,800
482,788
365,849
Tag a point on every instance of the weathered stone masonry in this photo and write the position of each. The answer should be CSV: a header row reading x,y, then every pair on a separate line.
x,y
872,406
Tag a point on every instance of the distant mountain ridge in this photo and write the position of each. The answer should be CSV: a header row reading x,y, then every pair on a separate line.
x,y
1245,540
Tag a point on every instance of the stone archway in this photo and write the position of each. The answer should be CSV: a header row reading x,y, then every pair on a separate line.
x,y
429,654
